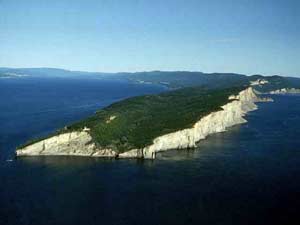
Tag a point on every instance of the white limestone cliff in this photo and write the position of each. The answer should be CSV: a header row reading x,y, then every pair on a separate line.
x,y
286,91
232,114
80,143
73,143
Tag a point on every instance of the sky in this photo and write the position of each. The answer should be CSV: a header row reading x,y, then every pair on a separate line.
x,y
241,36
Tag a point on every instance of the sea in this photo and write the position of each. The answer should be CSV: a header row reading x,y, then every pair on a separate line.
x,y
249,174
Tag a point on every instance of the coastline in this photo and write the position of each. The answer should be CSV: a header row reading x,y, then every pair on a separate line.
x,y
79,143
285,91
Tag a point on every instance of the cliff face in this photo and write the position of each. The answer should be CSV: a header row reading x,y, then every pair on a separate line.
x,y
80,143
73,143
231,114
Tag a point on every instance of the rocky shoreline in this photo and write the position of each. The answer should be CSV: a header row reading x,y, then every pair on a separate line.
x,y
286,91
80,143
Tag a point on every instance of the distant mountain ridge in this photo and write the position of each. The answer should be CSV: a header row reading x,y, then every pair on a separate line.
x,y
171,79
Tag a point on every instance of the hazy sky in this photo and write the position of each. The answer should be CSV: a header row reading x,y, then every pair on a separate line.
x,y
243,36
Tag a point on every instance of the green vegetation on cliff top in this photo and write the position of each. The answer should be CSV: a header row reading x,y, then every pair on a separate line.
x,y
135,122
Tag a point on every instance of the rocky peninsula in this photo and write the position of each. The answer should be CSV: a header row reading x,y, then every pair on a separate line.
x,y
82,142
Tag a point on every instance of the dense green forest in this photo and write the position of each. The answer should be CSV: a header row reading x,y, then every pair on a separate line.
x,y
135,122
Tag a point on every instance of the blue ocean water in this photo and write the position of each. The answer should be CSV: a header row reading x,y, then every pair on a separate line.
x,y
247,175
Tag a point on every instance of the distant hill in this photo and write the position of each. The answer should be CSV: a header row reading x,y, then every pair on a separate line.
x,y
171,79
47,72
179,79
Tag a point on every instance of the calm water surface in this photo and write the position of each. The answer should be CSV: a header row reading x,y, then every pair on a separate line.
x,y
248,175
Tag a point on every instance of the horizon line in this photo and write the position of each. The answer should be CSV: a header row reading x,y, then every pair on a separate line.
x,y
145,71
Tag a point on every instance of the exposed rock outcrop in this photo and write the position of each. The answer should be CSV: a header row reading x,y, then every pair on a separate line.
x,y
286,91
215,122
81,144
258,82
73,143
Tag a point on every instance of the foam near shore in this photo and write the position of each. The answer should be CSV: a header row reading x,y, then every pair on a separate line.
x,y
81,144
